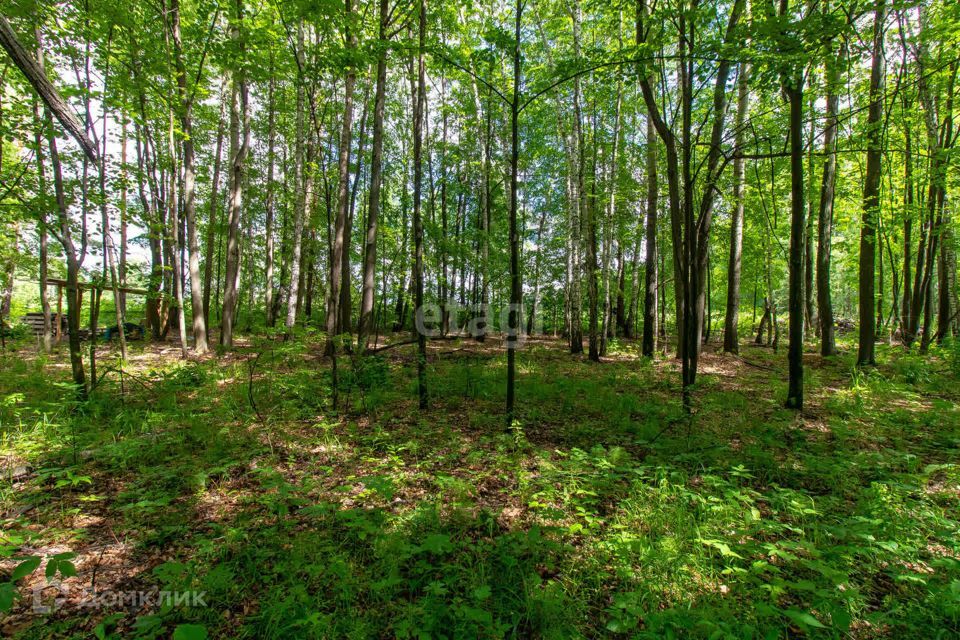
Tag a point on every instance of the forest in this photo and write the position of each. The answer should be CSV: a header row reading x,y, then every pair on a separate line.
x,y
479,319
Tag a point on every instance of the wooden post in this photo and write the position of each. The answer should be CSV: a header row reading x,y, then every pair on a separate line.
x,y
59,312
79,294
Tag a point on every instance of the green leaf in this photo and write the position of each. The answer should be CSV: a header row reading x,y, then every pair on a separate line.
x,y
10,543
145,625
722,547
437,543
25,568
67,569
482,592
103,631
170,571
804,618
841,618
6,596
190,632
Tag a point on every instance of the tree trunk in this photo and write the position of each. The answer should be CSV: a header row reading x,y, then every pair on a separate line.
x,y
714,168
946,266
346,289
871,199
731,328
213,227
173,238
303,182
334,327
620,302
794,90
939,142
828,345
630,323
239,145
516,291
444,279
33,70
608,232
109,249
47,336
74,299
8,272
66,241
483,324
419,108
270,206
908,214
587,209
650,333
365,325
122,266
809,321
189,186
535,303
689,329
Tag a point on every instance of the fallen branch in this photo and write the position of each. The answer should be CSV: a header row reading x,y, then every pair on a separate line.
x,y
146,384
407,342
669,426
253,402
753,364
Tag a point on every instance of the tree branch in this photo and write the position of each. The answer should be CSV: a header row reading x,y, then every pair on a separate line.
x,y
48,93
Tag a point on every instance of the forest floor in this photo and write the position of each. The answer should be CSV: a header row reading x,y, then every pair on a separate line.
x,y
223,498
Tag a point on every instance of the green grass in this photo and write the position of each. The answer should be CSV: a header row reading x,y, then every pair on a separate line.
x,y
603,513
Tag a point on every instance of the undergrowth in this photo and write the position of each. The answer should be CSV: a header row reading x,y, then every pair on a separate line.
x,y
602,512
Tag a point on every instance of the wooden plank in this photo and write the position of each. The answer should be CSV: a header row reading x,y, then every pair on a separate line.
x,y
35,321
59,312
87,285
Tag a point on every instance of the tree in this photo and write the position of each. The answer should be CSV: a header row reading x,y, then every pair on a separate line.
x,y
792,83
650,245
419,109
690,228
340,242
213,217
33,70
303,179
516,290
239,147
731,339
189,183
871,198
365,325
827,195
270,203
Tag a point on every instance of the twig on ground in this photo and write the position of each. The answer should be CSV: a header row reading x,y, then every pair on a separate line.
x,y
753,364
253,402
406,342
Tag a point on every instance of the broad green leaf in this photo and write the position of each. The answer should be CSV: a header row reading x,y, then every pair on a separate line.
x,y
190,632
25,568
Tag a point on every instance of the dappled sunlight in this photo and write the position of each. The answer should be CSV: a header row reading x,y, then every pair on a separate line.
x,y
638,511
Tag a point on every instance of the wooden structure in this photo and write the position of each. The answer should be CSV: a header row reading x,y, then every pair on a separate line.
x,y
35,320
